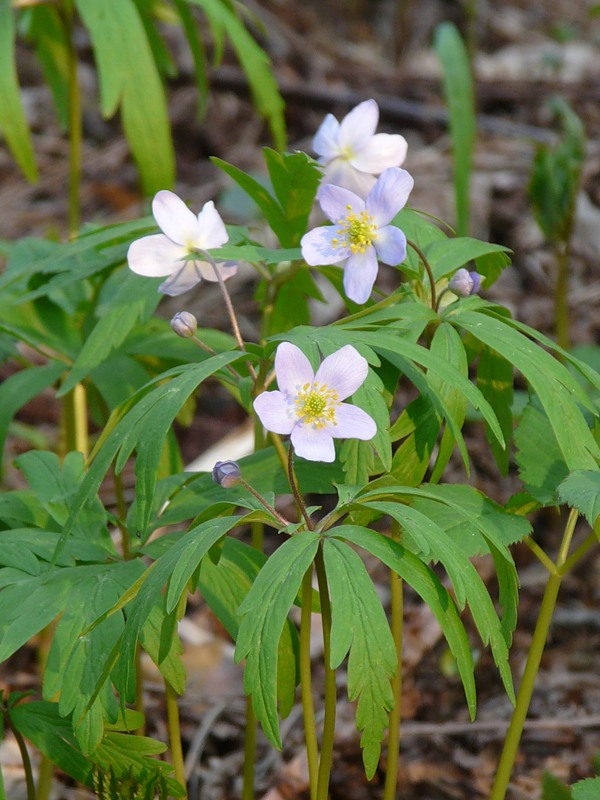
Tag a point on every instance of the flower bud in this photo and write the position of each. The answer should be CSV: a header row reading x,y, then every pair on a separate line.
x,y
184,324
464,283
226,474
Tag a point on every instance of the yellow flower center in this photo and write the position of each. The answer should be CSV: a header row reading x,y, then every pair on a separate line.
x,y
316,404
357,231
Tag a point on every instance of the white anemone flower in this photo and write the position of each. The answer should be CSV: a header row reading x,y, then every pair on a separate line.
x,y
183,234
352,153
310,407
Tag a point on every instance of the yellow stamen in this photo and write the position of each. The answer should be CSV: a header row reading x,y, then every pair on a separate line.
x,y
357,231
316,405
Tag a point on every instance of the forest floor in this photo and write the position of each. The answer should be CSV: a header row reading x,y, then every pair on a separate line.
x,y
329,55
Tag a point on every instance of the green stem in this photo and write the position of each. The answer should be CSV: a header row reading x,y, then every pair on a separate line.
x,y
426,264
308,708
393,751
26,762
249,751
294,487
74,421
579,553
257,537
534,658
175,734
561,295
45,775
330,683
540,555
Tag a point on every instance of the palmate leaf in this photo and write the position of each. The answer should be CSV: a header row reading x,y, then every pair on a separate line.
x,y
555,387
581,490
433,544
360,628
135,301
254,61
13,123
587,789
129,78
69,263
224,587
263,615
20,388
425,583
495,379
175,567
447,255
143,424
125,754
447,344
541,463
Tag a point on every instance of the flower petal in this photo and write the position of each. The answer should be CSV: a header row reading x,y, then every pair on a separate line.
x,y
358,126
155,256
340,172
182,280
317,247
325,143
390,245
353,423
293,369
211,229
174,218
345,370
226,270
314,444
275,412
359,275
381,151
334,201
389,195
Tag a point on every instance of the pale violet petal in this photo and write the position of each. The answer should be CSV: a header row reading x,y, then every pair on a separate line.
x,y
182,280
174,218
211,229
312,443
155,256
359,275
389,195
318,249
358,126
345,370
335,201
325,143
226,270
340,172
275,412
390,245
381,151
292,368
353,423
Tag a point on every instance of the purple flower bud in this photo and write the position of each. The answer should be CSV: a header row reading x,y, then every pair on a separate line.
x,y
464,283
226,473
184,324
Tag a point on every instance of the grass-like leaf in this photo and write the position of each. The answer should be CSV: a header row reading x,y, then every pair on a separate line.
x,y
460,97
129,77
13,123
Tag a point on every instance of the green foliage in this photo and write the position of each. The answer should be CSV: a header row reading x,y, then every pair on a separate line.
x,y
557,175
581,490
460,98
13,123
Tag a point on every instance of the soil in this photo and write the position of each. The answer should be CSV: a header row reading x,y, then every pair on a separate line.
x,y
328,55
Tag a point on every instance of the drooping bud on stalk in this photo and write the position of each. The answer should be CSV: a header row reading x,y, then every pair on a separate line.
x,y
226,473
464,283
184,324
